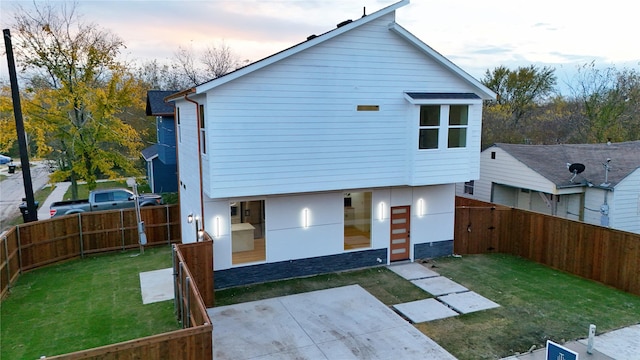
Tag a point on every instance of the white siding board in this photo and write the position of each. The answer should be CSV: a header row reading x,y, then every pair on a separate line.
x,y
594,198
627,203
293,125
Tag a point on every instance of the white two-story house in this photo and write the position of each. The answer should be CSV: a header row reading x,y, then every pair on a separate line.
x,y
340,152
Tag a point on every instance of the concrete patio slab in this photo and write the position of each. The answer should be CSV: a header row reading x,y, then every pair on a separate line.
x,y
303,353
339,323
405,342
156,285
621,344
359,312
468,302
256,328
412,271
439,285
425,310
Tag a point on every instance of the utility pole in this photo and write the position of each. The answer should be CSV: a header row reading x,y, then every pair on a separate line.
x,y
32,211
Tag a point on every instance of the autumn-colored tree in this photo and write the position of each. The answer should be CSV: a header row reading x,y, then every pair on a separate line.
x,y
608,101
77,91
7,123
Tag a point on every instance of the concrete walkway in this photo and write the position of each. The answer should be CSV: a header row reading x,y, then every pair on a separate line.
x,y
56,195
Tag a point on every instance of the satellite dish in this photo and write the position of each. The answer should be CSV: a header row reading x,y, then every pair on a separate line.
x,y
575,168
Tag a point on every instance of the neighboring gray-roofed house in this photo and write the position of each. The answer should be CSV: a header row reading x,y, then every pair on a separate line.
x,y
537,177
162,171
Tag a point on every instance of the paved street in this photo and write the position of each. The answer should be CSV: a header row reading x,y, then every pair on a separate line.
x,y
12,189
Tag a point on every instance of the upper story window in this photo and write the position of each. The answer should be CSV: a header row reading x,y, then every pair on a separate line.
x,y
429,126
203,137
444,118
458,122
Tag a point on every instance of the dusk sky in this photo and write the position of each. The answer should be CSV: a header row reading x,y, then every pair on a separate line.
x,y
475,35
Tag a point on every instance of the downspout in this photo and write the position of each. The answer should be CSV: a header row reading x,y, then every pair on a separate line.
x,y
199,161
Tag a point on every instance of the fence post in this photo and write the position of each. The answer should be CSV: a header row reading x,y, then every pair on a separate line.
x,y
81,239
19,249
181,290
166,208
122,228
6,254
188,286
175,280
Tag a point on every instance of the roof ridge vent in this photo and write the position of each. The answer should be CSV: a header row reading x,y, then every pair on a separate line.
x,y
344,23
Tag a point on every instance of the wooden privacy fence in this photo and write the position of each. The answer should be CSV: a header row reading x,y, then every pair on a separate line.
x,y
609,256
36,244
194,341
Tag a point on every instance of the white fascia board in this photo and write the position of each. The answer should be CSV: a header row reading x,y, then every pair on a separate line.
x,y
442,101
298,48
485,92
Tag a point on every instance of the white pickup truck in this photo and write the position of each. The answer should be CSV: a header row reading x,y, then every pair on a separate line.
x,y
100,200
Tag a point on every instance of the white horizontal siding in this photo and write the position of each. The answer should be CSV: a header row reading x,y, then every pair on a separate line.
x,y
627,204
593,200
188,168
293,126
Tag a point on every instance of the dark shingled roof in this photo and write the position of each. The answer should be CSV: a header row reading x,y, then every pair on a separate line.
x,y
150,152
156,105
551,161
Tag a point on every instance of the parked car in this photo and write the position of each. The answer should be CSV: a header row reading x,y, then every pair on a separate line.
x,y
5,159
107,199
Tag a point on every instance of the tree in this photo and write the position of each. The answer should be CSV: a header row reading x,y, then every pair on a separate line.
x,y
521,89
76,91
7,123
608,101
194,68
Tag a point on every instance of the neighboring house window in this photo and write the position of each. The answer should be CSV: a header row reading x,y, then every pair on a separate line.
x,y
178,122
429,126
468,187
458,122
203,138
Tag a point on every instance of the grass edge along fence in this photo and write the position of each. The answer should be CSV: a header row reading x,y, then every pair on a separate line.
x,y
193,268
195,340
609,256
32,245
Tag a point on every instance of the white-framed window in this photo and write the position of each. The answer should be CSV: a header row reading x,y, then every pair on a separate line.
x,y
429,127
437,121
203,133
458,123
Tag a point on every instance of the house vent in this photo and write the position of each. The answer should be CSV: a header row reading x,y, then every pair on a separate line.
x,y
312,36
344,23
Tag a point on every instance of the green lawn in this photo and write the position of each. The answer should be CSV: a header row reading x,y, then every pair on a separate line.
x,y
537,303
83,304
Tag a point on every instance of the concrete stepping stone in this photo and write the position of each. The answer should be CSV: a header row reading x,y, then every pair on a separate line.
x,y
439,285
412,271
424,310
468,302
156,285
